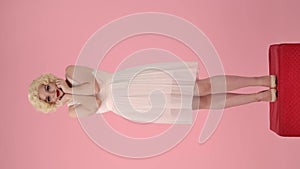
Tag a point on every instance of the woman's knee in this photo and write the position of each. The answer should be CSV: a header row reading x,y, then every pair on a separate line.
x,y
203,87
201,102
205,102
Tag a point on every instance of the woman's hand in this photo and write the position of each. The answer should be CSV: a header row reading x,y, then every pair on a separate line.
x,y
60,83
66,97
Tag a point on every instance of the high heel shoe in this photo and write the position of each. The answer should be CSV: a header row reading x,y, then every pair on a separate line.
x,y
273,81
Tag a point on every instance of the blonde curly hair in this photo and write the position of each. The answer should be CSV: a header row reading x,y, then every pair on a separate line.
x,y
33,95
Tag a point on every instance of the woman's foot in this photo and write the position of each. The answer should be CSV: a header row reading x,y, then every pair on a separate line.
x,y
267,81
273,95
267,95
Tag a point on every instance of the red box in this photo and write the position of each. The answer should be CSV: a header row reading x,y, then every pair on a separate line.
x,y
284,62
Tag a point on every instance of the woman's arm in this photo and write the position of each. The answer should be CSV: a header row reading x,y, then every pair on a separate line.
x,y
87,108
87,84
78,108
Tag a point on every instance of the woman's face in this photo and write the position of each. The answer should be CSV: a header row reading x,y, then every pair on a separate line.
x,y
50,93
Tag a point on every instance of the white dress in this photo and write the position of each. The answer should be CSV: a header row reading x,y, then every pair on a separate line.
x,y
151,93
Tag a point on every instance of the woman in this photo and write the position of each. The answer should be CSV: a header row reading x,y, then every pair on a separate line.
x,y
88,91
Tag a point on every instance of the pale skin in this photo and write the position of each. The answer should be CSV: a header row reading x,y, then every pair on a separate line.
x,y
203,91
60,93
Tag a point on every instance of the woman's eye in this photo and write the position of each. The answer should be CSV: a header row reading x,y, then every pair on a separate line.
x,y
48,99
47,88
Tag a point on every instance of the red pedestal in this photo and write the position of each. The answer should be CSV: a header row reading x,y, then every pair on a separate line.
x,y
284,62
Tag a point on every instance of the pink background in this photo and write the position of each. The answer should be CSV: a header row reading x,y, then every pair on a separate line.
x,y
46,36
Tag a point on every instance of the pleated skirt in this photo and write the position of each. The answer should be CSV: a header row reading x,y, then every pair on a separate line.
x,y
155,93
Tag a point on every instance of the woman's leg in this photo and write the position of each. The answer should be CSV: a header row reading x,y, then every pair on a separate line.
x,y
232,99
203,86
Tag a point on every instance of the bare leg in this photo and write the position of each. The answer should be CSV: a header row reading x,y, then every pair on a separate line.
x,y
203,86
232,99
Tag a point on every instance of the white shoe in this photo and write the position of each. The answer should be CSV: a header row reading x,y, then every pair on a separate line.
x,y
273,81
273,95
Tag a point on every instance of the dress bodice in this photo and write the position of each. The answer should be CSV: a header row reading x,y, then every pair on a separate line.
x,y
104,80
